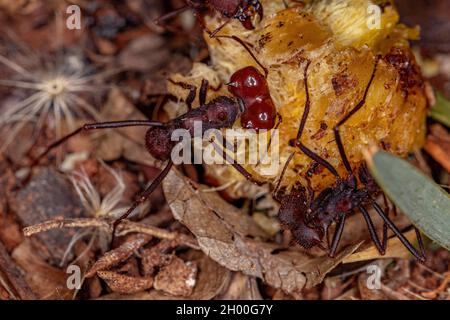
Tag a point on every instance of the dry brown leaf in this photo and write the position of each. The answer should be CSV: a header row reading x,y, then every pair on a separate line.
x,y
135,56
119,254
178,278
157,256
395,249
365,292
438,145
12,279
46,281
127,142
242,287
234,240
211,280
125,284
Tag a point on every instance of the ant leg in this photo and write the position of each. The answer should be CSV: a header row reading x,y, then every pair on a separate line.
x,y
360,104
171,15
246,47
283,172
237,166
95,126
398,233
259,9
144,196
203,92
301,128
219,28
373,233
192,91
280,119
337,235
420,241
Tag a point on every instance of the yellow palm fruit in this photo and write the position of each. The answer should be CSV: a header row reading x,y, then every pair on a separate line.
x,y
342,39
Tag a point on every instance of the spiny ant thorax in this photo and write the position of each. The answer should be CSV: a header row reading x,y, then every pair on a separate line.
x,y
217,114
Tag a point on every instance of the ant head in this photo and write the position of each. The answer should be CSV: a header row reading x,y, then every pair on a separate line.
x,y
158,142
259,116
248,83
228,7
293,214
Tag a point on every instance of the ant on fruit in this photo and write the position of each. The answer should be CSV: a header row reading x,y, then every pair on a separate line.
x,y
242,10
222,112
250,87
309,217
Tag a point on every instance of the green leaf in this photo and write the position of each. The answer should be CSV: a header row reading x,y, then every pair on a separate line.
x,y
417,196
441,110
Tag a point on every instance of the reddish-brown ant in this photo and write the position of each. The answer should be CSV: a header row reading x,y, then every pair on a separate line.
x,y
221,112
251,88
309,217
242,10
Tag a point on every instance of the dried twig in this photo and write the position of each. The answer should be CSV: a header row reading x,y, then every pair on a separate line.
x,y
434,293
124,228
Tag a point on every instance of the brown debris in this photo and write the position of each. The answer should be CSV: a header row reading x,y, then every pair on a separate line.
x,y
125,284
46,281
47,196
115,256
178,278
238,246
11,277
438,145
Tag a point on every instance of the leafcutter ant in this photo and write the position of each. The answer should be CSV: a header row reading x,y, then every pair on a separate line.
x,y
241,10
219,113
309,217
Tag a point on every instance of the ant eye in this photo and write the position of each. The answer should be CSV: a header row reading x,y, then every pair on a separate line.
x,y
251,82
263,116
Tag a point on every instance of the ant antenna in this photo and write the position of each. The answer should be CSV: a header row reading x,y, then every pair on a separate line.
x,y
246,47
94,126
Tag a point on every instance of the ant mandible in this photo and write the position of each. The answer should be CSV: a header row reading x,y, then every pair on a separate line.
x,y
242,10
309,217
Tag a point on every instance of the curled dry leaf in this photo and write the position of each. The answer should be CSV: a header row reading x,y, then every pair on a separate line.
x,y
234,240
178,278
212,279
118,255
157,256
125,284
